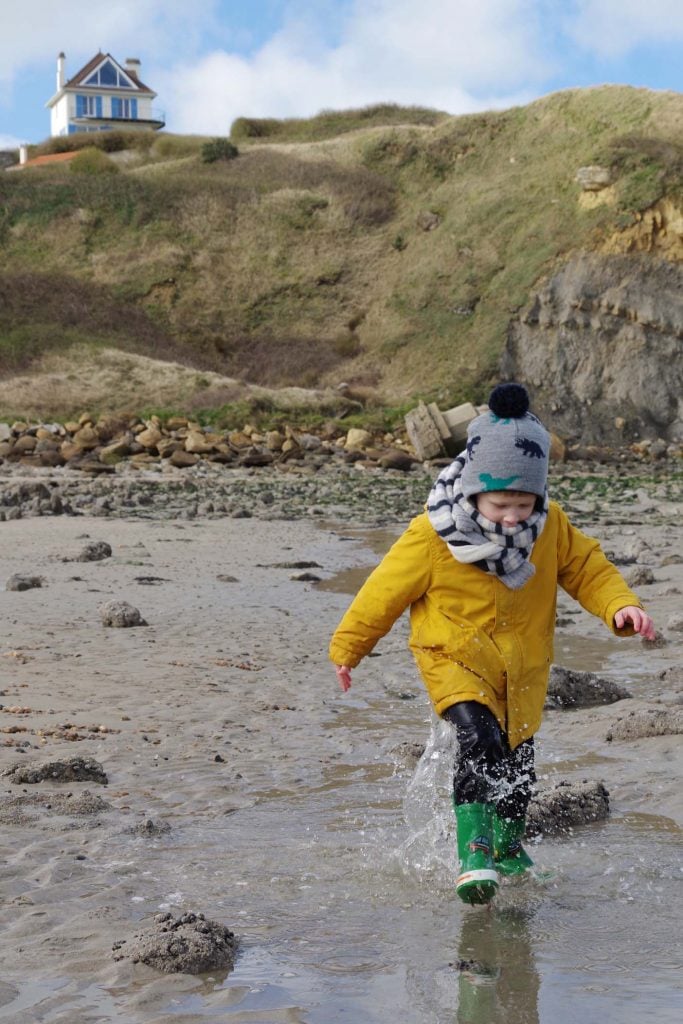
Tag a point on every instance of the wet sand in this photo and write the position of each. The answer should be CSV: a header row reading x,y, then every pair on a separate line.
x,y
285,798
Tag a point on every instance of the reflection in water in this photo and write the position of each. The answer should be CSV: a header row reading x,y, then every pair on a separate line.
x,y
498,981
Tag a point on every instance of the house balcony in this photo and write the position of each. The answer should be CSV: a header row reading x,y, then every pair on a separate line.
x,y
89,122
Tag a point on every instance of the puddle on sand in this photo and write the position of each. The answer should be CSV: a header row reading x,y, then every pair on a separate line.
x,y
342,894
341,891
349,581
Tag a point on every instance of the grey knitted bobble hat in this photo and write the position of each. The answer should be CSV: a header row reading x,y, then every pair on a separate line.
x,y
507,447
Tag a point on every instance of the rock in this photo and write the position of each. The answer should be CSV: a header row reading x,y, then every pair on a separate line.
x,y
92,465
188,944
571,688
644,722
274,440
395,458
408,753
427,220
309,442
19,582
150,829
566,805
659,641
639,576
5,432
24,444
94,551
74,769
599,341
117,450
593,178
200,443
183,460
166,446
86,438
675,623
357,438
150,437
121,615
254,456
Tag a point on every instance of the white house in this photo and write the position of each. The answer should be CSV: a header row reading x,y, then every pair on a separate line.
x,y
103,95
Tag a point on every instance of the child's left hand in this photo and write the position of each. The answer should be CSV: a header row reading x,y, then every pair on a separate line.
x,y
640,620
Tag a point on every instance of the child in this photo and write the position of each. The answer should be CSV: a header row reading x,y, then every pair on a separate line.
x,y
480,569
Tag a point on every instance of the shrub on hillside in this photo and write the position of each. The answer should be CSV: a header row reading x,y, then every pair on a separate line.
x,y
108,141
177,146
92,161
218,149
329,123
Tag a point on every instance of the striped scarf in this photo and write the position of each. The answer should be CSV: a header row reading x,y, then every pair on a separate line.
x,y
503,551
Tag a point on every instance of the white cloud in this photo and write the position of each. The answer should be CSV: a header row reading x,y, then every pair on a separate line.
x,y
36,30
458,55
10,142
613,28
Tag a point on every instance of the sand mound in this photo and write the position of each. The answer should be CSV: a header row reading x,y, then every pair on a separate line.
x,y
188,944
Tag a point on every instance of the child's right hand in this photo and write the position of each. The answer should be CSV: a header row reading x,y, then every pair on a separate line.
x,y
343,676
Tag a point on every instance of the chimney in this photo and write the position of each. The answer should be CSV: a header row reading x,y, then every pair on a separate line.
x,y
133,66
60,71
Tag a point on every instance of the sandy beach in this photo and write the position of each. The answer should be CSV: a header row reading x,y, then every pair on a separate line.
x,y
241,784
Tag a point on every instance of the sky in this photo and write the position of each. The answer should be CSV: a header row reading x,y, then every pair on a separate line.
x,y
211,61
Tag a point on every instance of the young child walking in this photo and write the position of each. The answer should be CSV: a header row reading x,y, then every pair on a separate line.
x,y
480,570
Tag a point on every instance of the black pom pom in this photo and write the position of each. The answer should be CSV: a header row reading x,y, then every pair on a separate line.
x,y
509,400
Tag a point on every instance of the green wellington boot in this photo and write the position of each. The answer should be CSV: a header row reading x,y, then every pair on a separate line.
x,y
477,878
509,855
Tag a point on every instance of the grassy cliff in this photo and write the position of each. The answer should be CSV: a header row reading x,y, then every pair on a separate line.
x,y
390,255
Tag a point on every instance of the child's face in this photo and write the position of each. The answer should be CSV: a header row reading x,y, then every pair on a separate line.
x,y
505,507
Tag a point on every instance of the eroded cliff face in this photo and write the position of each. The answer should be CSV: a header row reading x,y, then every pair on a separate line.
x,y
601,349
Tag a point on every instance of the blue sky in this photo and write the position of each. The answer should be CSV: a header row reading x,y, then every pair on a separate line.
x,y
213,60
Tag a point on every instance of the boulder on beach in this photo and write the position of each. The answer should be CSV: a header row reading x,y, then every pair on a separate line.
x,y
20,582
572,688
121,615
566,805
640,723
94,551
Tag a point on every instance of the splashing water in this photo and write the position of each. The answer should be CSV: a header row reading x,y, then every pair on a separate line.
x,y
427,809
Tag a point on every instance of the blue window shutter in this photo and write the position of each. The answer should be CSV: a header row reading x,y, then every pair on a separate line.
x,y
98,106
80,106
134,109
115,106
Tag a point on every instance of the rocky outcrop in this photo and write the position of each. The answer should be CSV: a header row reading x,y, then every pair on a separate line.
x,y
600,349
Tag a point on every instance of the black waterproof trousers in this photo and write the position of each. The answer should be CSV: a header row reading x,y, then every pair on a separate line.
x,y
486,770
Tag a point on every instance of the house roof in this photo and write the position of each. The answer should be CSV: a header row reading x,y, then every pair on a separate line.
x,y
87,69
48,158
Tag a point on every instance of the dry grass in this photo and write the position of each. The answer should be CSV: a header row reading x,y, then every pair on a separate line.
x,y
87,377
310,262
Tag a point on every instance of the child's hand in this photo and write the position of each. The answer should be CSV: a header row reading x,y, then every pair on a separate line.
x,y
640,620
344,676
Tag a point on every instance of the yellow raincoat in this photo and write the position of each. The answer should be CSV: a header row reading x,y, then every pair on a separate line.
x,y
472,637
